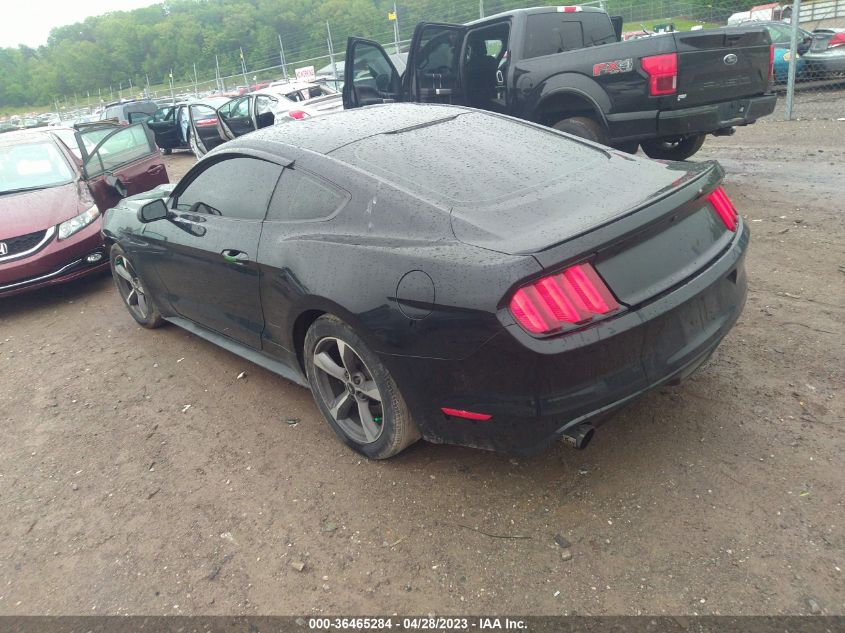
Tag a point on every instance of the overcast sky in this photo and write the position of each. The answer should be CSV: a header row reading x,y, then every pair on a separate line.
x,y
30,21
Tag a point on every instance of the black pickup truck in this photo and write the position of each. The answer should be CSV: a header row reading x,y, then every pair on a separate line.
x,y
566,67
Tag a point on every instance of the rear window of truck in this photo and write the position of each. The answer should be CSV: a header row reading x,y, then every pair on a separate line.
x,y
550,33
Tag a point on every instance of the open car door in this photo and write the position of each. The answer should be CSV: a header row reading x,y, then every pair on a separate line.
x,y
236,118
434,62
369,75
164,126
204,132
125,161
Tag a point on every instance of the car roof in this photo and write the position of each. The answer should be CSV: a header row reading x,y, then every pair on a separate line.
x,y
326,133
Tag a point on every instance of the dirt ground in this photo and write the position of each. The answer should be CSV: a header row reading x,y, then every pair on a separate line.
x,y
721,496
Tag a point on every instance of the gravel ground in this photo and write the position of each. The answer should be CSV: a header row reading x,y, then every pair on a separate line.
x,y
721,496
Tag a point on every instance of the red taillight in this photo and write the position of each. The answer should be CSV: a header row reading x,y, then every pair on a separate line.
x,y
298,114
836,40
772,63
569,9
724,208
202,122
662,71
466,415
573,297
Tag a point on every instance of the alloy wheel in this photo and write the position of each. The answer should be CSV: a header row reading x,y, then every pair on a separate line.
x,y
130,288
346,387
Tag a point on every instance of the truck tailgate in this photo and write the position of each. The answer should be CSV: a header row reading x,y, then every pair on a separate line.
x,y
722,64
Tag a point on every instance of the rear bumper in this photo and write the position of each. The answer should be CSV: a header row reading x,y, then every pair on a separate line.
x,y
633,126
714,117
537,390
57,262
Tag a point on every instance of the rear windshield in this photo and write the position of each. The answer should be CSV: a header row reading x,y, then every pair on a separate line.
x,y
550,33
472,158
32,166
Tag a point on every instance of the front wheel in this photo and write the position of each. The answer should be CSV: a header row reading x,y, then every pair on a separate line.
x,y
679,148
355,392
132,290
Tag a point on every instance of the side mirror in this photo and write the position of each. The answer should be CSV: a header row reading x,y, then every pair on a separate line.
x,y
114,182
152,211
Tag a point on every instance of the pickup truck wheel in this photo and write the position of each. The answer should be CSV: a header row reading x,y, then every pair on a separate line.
x,y
583,127
679,148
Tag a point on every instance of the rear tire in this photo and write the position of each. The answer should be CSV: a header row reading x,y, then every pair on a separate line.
x,y
132,291
377,423
583,127
679,148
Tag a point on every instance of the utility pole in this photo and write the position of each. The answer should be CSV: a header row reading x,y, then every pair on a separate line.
x,y
130,87
196,90
220,86
793,59
396,28
480,8
282,58
172,96
331,51
119,90
147,76
243,67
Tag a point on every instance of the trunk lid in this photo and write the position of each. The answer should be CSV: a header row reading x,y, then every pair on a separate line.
x,y
666,241
324,104
717,65
594,193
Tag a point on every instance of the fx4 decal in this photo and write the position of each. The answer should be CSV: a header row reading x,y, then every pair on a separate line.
x,y
614,67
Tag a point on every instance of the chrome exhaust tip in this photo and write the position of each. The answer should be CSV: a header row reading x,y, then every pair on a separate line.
x,y
579,436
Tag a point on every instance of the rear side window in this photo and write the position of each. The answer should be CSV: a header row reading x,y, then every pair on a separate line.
x,y
238,188
300,196
550,33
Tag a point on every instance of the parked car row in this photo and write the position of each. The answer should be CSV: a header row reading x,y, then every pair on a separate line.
x,y
202,124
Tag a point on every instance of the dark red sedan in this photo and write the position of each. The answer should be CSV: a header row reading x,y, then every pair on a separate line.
x,y
55,186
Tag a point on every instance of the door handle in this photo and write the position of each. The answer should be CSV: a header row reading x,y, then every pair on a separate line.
x,y
234,256
155,169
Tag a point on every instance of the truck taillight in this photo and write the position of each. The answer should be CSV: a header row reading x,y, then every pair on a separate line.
x,y
298,114
662,71
569,9
724,208
772,62
573,297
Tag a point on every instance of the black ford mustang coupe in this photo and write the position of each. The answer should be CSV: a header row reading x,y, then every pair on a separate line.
x,y
440,272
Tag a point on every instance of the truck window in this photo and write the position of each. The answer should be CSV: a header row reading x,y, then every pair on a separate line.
x,y
550,33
